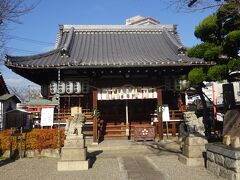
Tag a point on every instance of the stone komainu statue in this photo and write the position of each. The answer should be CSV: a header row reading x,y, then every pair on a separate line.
x,y
74,125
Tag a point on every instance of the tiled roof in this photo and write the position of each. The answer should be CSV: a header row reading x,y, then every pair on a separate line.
x,y
111,46
42,102
6,97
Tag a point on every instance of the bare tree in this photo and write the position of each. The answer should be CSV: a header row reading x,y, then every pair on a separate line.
x,y
10,11
26,93
193,5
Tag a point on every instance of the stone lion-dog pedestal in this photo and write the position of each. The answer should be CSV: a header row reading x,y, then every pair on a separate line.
x,y
194,143
74,152
193,150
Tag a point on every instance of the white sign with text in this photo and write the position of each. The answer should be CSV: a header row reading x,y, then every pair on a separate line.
x,y
165,113
47,116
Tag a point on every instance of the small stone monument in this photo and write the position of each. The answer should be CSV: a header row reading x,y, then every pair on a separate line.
x,y
231,125
194,143
74,152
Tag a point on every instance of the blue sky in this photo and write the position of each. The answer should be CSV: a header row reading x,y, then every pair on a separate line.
x,y
41,23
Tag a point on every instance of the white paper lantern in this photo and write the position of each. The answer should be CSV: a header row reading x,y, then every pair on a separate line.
x,y
53,87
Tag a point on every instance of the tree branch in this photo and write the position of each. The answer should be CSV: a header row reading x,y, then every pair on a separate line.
x,y
192,3
10,11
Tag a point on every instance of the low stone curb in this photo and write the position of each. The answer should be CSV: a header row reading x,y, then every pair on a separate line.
x,y
35,153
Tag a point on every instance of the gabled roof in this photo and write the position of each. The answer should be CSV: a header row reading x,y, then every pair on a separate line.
x,y
140,20
16,110
106,46
6,97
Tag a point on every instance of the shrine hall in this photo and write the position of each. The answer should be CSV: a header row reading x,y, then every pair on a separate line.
x,y
118,75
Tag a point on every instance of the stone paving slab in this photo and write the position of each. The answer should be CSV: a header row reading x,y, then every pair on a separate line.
x,y
172,169
138,167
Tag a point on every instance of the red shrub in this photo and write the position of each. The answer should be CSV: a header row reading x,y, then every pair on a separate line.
x,y
35,139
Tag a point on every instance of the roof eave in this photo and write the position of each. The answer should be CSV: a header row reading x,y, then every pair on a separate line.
x,y
112,66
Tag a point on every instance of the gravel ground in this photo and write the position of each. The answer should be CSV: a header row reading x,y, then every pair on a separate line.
x,y
46,168
106,166
149,163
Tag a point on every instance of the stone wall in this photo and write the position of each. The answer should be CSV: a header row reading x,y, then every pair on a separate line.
x,y
223,161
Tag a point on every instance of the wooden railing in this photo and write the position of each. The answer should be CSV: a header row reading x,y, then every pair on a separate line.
x,y
61,116
176,114
65,115
170,127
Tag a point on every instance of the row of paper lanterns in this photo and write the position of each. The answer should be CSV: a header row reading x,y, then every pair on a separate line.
x,y
69,87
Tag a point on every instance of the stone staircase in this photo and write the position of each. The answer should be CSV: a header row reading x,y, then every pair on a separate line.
x,y
88,127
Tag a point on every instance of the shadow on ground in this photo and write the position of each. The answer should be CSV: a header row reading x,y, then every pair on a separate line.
x,y
92,156
166,146
6,161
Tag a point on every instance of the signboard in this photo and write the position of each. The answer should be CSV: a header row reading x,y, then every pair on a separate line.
x,y
165,113
47,116
116,93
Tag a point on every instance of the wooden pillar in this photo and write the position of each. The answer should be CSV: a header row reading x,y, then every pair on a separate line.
x,y
95,119
159,103
174,130
94,98
173,123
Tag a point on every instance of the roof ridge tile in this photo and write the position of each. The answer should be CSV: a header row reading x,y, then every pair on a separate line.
x,y
67,27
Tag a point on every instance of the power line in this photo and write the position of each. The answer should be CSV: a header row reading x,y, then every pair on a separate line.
x,y
22,50
30,40
27,40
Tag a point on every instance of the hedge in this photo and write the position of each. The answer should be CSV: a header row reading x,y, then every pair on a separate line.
x,y
35,139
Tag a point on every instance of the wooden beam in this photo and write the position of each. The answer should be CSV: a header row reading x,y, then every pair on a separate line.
x,y
159,103
95,119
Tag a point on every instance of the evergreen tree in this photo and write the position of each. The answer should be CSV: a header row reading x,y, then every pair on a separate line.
x,y
220,36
